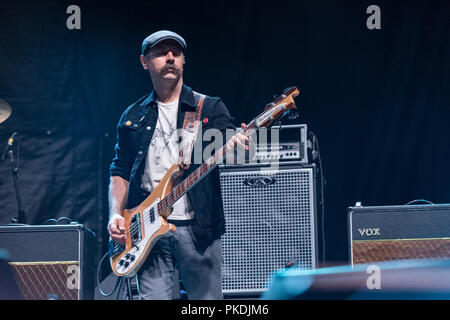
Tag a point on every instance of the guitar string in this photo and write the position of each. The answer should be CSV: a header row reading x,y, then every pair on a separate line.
x,y
205,167
146,215
174,196
222,152
177,194
194,176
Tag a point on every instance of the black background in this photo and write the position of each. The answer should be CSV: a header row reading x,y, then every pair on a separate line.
x,y
378,100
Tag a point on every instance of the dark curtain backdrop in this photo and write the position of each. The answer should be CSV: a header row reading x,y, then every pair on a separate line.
x,y
378,100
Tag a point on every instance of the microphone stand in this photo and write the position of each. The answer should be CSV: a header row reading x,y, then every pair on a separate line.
x,y
15,170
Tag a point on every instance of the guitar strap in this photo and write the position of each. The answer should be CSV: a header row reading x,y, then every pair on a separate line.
x,y
189,132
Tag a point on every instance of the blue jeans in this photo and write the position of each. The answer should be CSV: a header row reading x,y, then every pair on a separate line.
x,y
200,271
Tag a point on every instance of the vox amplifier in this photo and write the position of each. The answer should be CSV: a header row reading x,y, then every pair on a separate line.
x,y
399,232
51,261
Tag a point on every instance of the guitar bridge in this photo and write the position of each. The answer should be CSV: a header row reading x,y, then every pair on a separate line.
x,y
115,248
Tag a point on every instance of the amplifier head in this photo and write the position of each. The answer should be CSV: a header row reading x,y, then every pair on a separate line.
x,y
279,143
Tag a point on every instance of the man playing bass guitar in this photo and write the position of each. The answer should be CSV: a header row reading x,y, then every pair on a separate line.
x,y
148,144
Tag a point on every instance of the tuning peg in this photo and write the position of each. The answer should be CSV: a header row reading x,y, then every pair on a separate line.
x,y
282,96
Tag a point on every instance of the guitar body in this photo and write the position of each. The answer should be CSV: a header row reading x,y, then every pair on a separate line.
x,y
144,226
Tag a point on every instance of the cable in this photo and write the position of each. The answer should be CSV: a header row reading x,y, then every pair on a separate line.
x,y
418,200
118,282
322,196
57,221
50,220
138,288
64,218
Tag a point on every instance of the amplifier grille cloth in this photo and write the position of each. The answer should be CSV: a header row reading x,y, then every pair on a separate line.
x,y
267,226
370,251
37,280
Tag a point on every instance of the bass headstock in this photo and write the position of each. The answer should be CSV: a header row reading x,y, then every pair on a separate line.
x,y
277,108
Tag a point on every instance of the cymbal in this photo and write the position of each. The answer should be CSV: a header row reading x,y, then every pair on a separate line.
x,y
5,110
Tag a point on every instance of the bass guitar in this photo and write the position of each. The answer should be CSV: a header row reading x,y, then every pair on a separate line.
x,y
146,223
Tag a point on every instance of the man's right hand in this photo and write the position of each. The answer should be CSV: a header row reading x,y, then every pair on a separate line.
x,y
116,228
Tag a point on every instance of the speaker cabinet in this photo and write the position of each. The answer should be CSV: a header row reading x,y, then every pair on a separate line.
x,y
399,232
51,261
270,219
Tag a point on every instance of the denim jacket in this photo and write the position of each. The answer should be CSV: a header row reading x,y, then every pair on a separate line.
x,y
134,133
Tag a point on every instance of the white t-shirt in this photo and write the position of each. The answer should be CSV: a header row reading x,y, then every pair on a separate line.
x,y
163,152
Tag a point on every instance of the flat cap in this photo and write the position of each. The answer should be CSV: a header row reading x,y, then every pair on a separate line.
x,y
159,36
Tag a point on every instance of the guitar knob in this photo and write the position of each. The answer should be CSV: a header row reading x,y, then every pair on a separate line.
x,y
132,258
126,264
127,256
121,262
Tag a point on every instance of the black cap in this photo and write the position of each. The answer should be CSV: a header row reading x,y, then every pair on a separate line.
x,y
159,36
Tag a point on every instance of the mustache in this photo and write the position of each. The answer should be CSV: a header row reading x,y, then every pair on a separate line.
x,y
168,66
